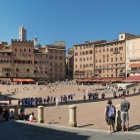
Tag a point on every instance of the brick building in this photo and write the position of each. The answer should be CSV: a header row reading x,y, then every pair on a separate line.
x,y
28,59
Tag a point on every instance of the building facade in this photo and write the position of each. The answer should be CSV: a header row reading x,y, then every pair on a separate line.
x,y
70,64
28,59
84,60
56,61
105,59
110,59
133,56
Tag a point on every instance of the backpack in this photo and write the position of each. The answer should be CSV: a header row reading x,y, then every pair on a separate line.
x,y
111,111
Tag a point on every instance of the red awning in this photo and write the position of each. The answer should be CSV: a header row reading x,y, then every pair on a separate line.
x,y
23,80
135,65
135,78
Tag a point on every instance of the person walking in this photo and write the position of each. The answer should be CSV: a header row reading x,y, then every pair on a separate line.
x,y
125,106
109,115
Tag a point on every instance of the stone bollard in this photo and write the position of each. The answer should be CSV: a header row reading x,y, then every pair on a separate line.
x,y
16,112
72,116
41,114
118,118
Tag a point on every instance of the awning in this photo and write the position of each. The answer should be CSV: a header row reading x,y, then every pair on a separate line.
x,y
135,78
23,80
136,65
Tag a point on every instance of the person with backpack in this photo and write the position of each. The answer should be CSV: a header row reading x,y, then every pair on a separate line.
x,y
109,114
125,106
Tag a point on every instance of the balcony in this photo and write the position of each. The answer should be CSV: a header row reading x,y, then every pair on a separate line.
x,y
116,52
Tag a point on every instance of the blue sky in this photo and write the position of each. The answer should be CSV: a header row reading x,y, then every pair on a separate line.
x,y
73,21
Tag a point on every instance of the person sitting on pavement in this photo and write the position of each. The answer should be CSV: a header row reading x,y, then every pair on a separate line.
x,y
32,118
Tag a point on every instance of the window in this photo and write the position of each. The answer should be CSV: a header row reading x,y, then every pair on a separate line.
x,y
17,69
87,58
15,49
60,57
75,66
111,50
75,59
120,58
83,59
24,50
120,48
127,48
27,70
111,59
116,58
90,52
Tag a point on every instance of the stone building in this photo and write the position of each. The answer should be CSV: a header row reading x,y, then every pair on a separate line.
x,y
5,60
104,60
110,59
28,59
22,58
56,61
133,56
70,64
84,60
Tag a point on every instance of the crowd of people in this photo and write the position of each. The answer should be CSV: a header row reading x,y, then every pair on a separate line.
x,y
47,100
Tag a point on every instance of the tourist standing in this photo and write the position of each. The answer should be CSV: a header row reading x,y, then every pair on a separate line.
x,y
6,112
1,112
109,115
125,106
57,103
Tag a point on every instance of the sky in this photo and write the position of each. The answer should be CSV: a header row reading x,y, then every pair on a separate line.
x,y
73,21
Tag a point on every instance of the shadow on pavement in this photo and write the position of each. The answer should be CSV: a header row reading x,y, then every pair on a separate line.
x,y
85,125
12,130
134,127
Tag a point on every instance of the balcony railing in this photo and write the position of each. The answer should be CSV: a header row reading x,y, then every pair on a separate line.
x,y
109,68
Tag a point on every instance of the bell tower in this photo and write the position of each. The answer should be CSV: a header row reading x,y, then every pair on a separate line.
x,y
22,33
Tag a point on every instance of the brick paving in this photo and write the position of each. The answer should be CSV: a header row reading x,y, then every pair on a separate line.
x,y
89,113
